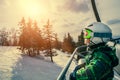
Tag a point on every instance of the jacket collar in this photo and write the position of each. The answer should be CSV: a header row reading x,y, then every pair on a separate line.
x,y
92,47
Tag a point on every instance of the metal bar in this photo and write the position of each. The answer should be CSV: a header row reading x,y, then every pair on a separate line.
x,y
65,69
95,11
115,39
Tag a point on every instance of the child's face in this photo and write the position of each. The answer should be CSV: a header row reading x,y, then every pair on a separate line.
x,y
86,41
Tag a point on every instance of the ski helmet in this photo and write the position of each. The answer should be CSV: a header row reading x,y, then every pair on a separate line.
x,y
98,32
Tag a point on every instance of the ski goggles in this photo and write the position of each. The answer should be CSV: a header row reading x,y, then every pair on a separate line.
x,y
87,34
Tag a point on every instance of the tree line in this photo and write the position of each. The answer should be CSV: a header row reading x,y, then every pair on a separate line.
x,y
31,39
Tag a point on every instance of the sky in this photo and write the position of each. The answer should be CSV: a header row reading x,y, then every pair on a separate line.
x,y
64,15
110,14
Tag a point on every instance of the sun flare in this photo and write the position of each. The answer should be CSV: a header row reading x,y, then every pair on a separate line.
x,y
33,8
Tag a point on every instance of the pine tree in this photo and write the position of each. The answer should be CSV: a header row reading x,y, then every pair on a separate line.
x,y
38,40
4,37
80,39
48,34
26,39
14,40
71,43
68,44
64,44
56,43
22,37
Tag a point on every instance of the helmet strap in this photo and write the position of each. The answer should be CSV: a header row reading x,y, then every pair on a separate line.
x,y
92,41
102,39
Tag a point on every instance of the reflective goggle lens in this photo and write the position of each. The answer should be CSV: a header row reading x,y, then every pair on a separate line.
x,y
87,34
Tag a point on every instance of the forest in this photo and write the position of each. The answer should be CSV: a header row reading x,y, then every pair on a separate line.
x,y
30,39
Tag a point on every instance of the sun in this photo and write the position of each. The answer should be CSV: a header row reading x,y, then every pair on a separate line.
x,y
33,8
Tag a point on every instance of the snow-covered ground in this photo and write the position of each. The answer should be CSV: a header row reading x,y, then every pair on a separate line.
x,y
14,65
35,69
8,59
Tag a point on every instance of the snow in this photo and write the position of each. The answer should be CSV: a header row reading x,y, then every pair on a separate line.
x,y
8,58
35,69
14,65
61,59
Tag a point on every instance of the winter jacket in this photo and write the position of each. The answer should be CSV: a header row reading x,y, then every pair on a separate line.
x,y
99,64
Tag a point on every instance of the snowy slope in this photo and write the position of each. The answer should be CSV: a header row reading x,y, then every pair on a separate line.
x,y
8,58
29,68
15,66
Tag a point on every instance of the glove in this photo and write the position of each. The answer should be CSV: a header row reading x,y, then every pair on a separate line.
x,y
72,76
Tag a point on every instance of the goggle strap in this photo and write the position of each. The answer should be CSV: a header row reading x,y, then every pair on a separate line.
x,y
102,35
